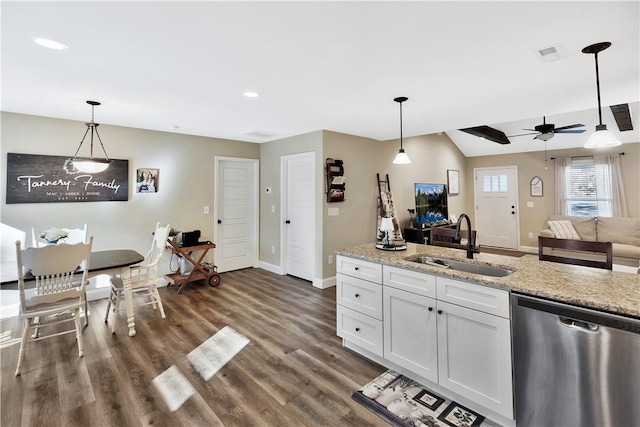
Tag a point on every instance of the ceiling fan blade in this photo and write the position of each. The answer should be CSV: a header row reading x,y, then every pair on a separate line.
x,y
570,131
532,130
623,116
524,134
489,133
577,125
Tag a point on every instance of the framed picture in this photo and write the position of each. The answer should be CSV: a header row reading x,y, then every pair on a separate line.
x,y
536,187
453,181
147,180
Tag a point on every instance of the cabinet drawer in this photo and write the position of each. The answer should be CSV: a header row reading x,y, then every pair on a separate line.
x,y
360,295
410,281
359,268
477,297
359,329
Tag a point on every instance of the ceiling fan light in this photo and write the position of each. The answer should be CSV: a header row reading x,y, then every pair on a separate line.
x,y
90,165
602,138
402,158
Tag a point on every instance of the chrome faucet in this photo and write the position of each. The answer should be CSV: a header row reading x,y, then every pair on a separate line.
x,y
470,248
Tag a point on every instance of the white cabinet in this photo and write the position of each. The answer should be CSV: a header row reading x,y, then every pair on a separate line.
x,y
454,333
474,356
359,303
410,332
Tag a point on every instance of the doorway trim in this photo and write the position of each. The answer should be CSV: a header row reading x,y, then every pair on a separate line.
x,y
283,213
256,202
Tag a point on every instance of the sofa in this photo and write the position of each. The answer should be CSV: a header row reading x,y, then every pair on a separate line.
x,y
623,233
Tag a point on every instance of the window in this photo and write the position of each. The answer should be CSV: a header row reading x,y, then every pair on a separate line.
x,y
583,195
590,186
495,183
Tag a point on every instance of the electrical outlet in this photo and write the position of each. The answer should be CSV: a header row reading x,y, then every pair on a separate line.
x,y
330,259
206,210
530,235
273,249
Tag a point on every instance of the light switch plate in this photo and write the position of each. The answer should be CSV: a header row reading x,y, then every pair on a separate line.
x,y
529,204
333,211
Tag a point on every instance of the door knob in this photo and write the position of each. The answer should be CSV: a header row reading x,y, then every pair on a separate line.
x,y
513,212
439,311
219,221
287,222
357,295
357,329
430,308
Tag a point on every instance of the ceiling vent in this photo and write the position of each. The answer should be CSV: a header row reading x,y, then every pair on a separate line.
x,y
550,53
259,134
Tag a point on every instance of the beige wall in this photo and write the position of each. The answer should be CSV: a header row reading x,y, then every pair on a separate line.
x,y
186,180
271,222
431,156
532,164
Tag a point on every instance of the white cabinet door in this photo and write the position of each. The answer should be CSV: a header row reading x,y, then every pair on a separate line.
x,y
474,356
410,332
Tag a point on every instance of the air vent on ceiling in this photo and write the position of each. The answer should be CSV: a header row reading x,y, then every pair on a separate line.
x,y
260,134
550,53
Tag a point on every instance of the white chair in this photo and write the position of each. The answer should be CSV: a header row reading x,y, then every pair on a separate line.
x,y
75,235
144,279
58,290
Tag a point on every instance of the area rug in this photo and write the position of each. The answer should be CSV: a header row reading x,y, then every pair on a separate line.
x,y
403,402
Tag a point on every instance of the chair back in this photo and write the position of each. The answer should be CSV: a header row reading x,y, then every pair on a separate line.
x,y
74,235
584,252
54,269
445,236
149,267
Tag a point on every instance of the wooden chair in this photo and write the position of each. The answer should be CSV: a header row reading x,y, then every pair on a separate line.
x,y
58,290
445,236
584,247
75,235
144,278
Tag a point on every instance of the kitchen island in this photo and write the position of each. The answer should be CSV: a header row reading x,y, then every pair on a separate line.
x,y
450,329
604,290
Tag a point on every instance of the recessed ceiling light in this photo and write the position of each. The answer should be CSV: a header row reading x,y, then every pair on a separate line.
x,y
50,44
251,94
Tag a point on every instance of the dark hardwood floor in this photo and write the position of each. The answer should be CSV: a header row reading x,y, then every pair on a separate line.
x,y
294,371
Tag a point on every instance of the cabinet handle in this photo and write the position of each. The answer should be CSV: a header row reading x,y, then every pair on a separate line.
x,y
439,311
357,295
357,329
357,268
430,308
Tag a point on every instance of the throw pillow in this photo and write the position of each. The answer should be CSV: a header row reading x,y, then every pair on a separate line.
x,y
564,230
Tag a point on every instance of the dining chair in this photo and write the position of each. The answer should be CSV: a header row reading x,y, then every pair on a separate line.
x,y
144,279
578,252
74,235
445,236
58,295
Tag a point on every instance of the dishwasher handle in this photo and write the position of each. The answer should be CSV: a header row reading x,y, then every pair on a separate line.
x,y
578,324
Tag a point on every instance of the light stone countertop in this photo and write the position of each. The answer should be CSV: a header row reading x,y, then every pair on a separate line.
x,y
600,289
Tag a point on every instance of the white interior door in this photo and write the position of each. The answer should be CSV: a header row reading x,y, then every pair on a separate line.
x,y
496,197
236,214
299,215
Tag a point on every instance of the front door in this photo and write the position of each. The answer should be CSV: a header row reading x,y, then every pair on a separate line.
x,y
236,214
496,198
299,215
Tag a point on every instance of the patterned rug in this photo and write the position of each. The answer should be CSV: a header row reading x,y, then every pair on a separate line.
x,y
403,402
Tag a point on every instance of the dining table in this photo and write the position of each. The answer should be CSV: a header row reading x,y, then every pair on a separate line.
x,y
110,262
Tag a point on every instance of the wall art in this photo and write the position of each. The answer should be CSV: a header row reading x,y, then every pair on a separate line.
x,y
35,178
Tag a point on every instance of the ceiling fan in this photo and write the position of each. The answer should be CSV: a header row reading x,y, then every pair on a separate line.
x,y
546,131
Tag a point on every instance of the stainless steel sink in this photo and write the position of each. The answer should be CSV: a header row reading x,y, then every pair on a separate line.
x,y
467,267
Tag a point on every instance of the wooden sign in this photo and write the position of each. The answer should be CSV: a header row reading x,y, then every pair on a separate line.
x,y
33,178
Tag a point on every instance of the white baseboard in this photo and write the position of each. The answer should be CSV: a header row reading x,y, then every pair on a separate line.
x,y
529,249
271,267
324,283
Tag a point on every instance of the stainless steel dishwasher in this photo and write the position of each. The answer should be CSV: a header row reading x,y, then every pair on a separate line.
x,y
574,366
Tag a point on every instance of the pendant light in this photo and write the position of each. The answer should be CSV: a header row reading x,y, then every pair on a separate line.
x,y
601,138
401,157
91,164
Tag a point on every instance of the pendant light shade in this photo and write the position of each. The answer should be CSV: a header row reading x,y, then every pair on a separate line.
x,y
401,157
91,164
601,138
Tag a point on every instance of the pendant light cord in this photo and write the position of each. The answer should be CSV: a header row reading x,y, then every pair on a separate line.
x,y
400,125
